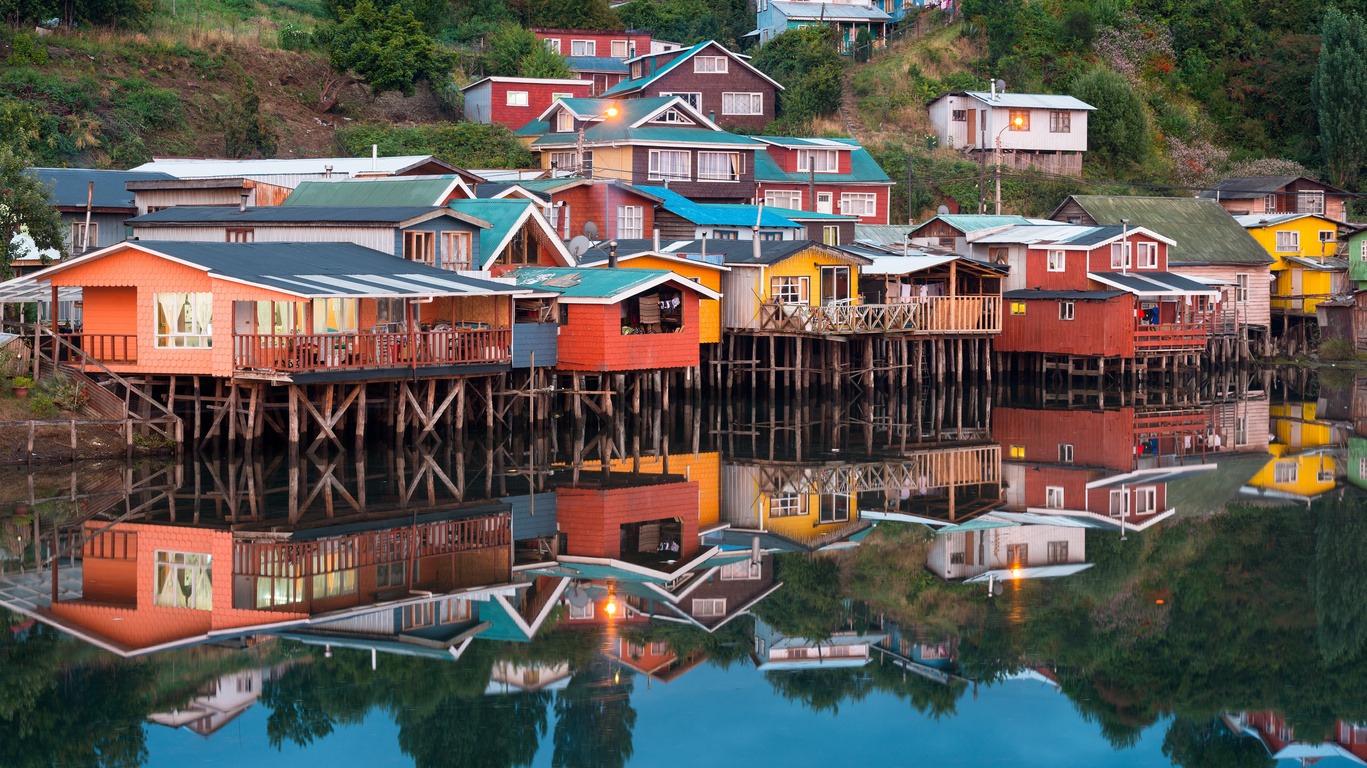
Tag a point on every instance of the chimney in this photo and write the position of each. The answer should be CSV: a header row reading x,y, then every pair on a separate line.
x,y
612,254
712,115
242,203
994,89
375,157
754,233
655,240
327,171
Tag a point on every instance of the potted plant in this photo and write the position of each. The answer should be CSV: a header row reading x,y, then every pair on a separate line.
x,y
21,386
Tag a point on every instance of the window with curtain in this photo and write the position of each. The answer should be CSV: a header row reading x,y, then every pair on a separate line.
x,y
788,290
279,317
583,48
1146,254
564,160
334,315
742,103
419,246
719,166
1288,242
184,580
564,121
78,235
709,64
859,203
455,250
517,98
669,164
185,320
818,160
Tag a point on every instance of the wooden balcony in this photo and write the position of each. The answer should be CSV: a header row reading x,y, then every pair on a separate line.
x,y
928,316
1172,337
103,347
296,353
936,469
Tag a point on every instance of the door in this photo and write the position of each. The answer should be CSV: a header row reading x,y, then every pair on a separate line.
x,y
1297,303
835,285
825,202
972,128
244,324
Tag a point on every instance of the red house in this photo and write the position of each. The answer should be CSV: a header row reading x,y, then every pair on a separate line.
x,y
1099,292
618,319
618,210
623,44
822,175
515,101
712,79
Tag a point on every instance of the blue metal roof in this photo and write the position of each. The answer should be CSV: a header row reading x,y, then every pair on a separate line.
x,y
718,214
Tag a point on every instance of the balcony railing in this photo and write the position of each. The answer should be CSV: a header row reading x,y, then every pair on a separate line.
x,y
105,347
293,353
931,315
1172,337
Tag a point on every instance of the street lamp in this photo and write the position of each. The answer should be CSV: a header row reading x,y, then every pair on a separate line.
x,y
579,145
1017,123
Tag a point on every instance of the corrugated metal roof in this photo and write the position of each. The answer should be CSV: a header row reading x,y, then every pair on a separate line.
x,y
1042,295
863,168
503,215
904,265
1327,264
586,283
1253,221
828,11
392,191
885,234
1204,232
532,128
1030,100
795,214
597,64
207,168
71,185
663,134
628,86
286,214
18,289
718,214
1032,234
1153,283
1253,187
974,222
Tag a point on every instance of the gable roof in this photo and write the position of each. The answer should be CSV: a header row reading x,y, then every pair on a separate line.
x,y
505,217
389,216
863,168
632,124
582,285
390,191
631,86
491,79
718,214
70,186
1251,187
1260,220
597,255
207,168
1205,233
742,252
542,189
1065,235
1024,100
307,270
814,11
973,222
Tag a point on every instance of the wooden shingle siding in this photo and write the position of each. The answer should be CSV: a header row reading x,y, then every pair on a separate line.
x,y
591,519
538,339
593,341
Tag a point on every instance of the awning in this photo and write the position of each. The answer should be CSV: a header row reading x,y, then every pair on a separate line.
x,y
1156,284
904,265
751,33
22,289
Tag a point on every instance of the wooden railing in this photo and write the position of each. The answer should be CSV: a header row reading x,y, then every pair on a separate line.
x,y
296,559
931,315
334,351
106,347
1168,337
921,471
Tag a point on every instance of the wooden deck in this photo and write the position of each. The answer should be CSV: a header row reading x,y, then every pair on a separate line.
x,y
1172,337
298,353
929,316
920,470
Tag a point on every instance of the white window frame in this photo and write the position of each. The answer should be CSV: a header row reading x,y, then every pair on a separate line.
x,y
792,200
581,612
733,163
585,47
1120,503
786,505
612,49
742,570
655,172
859,203
1288,241
193,564
1286,472
1119,262
1310,201
553,43
1053,496
201,319
709,607
1241,287
711,65
1060,121
78,234
630,222
692,98
790,289
518,99
828,160
742,103
1146,255
1057,261
1067,310
1332,235
830,234
564,121
1145,500
1065,453
564,160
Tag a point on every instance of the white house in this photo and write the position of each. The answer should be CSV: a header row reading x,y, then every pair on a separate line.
x,y
1030,129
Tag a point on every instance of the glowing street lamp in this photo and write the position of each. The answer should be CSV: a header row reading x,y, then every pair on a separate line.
x,y
609,113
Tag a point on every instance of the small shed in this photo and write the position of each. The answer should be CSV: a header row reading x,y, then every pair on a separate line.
x,y
15,355
1344,317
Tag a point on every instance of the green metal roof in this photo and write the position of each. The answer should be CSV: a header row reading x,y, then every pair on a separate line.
x,y
627,86
502,214
628,110
1205,232
863,168
585,282
973,222
399,191
533,128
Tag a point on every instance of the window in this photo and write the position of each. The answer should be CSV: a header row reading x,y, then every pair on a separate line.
x,y
1017,554
517,98
564,123
185,320
1065,310
1146,255
554,44
672,116
956,558
789,198
658,648
78,235
1288,242
1120,503
1058,552
583,48
669,164
1241,430
1017,452
1060,121
819,160
994,255
1241,283
1285,472
1362,249
416,616
420,247
959,115
335,583
1065,453
709,64
713,606
742,103
725,234
719,166
455,250
630,221
238,235
785,505
767,237
1327,235
1270,204
835,508
1121,256
788,290
859,203
1053,497
391,575
619,49
636,73
279,317
184,580
581,611
1145,501
1017,307
334,315
1020,119
1310,202
564,160
458,610
694,99
745,570
1058,261
830,235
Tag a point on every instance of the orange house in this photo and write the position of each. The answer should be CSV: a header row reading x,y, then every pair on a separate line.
x,y
623,319
283,309
645,254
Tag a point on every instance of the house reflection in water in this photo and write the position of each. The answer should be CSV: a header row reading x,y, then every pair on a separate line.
x,y
778,652
527,677
219,703
1347,740
1001,549
1306,451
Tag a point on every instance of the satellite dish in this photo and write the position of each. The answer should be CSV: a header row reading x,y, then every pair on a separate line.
x,y
942,210
580,245
578,597
591,230
1001,86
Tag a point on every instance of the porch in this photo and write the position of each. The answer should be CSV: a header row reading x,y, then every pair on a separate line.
x,y
299,352
1190,334
916,315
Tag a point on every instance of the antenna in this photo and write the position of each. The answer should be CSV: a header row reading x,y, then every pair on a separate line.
x,y
942,210
579,246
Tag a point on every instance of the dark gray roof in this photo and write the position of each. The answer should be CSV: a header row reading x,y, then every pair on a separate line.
x,y
323,269
1035,293
490,189
70,186
285,214
599,251
1204,232
1094,236
1154,282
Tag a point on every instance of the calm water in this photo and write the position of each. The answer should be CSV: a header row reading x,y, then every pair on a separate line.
x,y
944,579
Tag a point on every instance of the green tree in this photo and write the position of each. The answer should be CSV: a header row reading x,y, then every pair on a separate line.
x,y
1118,131
388,50
25,207
806,62
432,13
573,14
515,52
1339,91
543,62
464,144
247,131
594,718
809,605
1209,744
1339,580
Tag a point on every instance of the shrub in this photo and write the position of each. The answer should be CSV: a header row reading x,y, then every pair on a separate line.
x,y
64,393
42,407
22,381
25,49
1337,350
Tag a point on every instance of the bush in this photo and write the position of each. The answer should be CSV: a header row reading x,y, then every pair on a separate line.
x,y
293,37
22,381
42,407
25,49
64,393
466,145
1337,350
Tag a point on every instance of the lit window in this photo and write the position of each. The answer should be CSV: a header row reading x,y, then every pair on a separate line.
x,y
1057,260
1017,452
185,320
564,121
517,98
1020,119
184,580
1017,307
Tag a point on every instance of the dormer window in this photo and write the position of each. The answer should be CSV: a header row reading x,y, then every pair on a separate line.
x,y
564,121
673,116
710,64
636,70
818,160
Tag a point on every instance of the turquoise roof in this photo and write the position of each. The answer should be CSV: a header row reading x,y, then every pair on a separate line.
x,y
396,191
863,168
717,214
974,222
501,624
502,214
533,128
627,86
585,282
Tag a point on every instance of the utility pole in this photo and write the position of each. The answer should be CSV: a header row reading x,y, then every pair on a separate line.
x,y
908,161
998,158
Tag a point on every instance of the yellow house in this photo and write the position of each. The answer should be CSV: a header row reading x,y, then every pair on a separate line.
x,y
1302,465
706,273
777,498
770,282
1307,266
